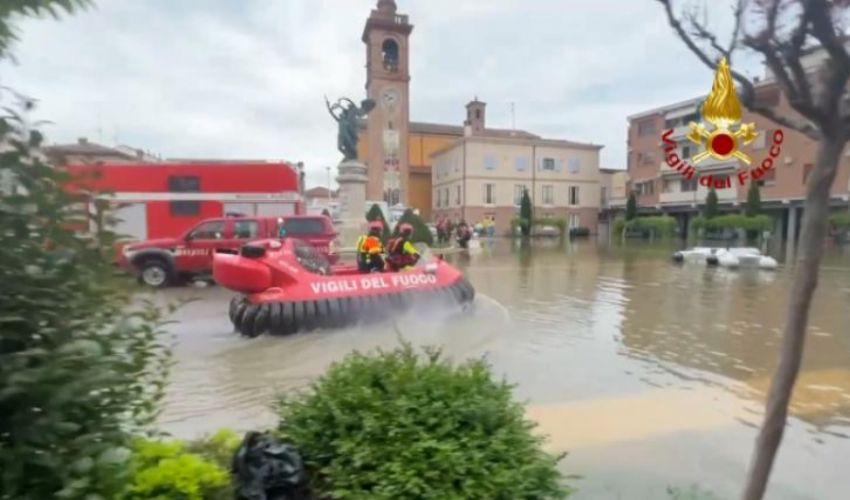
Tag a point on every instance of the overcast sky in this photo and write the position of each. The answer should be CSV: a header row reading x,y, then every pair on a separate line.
x,y
246,79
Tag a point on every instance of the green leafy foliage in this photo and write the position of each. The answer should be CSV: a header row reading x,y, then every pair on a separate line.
x,y
579,232
374,214
841,220
218,448
526,214
167,470
12,10
81,367
399,424
631,207
711,204
421,233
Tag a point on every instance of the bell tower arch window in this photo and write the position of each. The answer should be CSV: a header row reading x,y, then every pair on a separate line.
x,y
389,54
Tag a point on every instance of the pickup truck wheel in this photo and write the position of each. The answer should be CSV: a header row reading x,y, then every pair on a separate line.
x,y
154,274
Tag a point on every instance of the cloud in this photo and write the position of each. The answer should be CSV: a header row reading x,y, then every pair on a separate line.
x,y
247,79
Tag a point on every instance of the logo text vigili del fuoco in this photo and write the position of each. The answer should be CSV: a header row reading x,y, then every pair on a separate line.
x,y
723,141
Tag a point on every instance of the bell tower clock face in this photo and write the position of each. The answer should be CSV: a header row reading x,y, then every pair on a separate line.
x,y
390,98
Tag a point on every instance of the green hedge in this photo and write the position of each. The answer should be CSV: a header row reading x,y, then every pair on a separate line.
x,y
732,221
841,220
659,225
619,225
399,424
579,232
662,225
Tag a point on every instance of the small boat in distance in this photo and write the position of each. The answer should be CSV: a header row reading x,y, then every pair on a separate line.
x,y
727,257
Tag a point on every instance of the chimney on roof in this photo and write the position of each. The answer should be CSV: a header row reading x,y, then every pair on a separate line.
x,y
82,140
475,115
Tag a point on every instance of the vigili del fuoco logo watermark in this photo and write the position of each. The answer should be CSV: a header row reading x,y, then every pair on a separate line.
x,y
724,139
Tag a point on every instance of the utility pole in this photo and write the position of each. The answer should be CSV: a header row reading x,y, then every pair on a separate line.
x,y
513,117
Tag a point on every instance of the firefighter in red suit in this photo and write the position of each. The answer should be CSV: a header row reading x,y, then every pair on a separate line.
x,y
401,254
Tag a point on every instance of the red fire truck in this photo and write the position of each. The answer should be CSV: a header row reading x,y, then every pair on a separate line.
x,y
164,199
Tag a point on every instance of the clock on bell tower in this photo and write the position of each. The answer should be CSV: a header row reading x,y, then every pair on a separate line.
x,y
386,37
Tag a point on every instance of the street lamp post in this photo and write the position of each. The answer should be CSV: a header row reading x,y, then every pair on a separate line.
x,y
328,168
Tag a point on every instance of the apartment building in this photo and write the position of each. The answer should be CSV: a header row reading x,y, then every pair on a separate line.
x,y
661,188
613,188
485,176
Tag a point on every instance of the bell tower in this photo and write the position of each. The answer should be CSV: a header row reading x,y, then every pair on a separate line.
x,y
386,36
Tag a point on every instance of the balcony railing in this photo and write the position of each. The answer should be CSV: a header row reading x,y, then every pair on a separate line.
x,y
698,196
709,164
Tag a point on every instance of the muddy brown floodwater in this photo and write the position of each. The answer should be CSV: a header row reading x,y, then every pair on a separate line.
x,y
649,374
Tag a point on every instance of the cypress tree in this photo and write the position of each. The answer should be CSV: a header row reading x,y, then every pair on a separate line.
x,y
711,204
631,207
374,214
526,215
753,206
421,233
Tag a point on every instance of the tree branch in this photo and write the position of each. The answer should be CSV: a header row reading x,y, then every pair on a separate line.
x,y
740,7
838,71
795,85
792,52
747,87
700,31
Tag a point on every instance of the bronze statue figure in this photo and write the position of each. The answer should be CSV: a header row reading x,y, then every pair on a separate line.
x,y
346,113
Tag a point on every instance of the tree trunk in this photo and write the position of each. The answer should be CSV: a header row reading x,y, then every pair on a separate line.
x,y
809,254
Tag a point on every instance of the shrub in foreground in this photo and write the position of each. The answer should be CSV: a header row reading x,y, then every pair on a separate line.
x,y
402,425
81,366
168,470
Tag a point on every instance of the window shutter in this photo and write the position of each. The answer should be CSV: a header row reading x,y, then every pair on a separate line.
x,y
559,165
540,164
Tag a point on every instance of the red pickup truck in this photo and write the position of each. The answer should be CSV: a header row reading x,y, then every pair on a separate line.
x,y
164,261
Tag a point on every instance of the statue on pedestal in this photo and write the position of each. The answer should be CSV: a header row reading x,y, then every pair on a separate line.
x,y
346,114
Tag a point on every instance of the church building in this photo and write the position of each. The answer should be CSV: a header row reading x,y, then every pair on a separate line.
x,y
397,151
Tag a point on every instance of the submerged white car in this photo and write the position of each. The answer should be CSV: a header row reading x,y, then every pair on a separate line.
x,y
727,257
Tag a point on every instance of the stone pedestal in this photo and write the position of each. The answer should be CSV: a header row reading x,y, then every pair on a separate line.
x,y
352,201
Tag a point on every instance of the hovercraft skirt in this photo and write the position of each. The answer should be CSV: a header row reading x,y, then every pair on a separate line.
x,y
284,318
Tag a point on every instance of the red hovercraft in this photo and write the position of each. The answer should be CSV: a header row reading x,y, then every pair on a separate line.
x,y
288,286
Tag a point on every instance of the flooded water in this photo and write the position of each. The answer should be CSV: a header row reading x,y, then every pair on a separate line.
x,y
648,373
